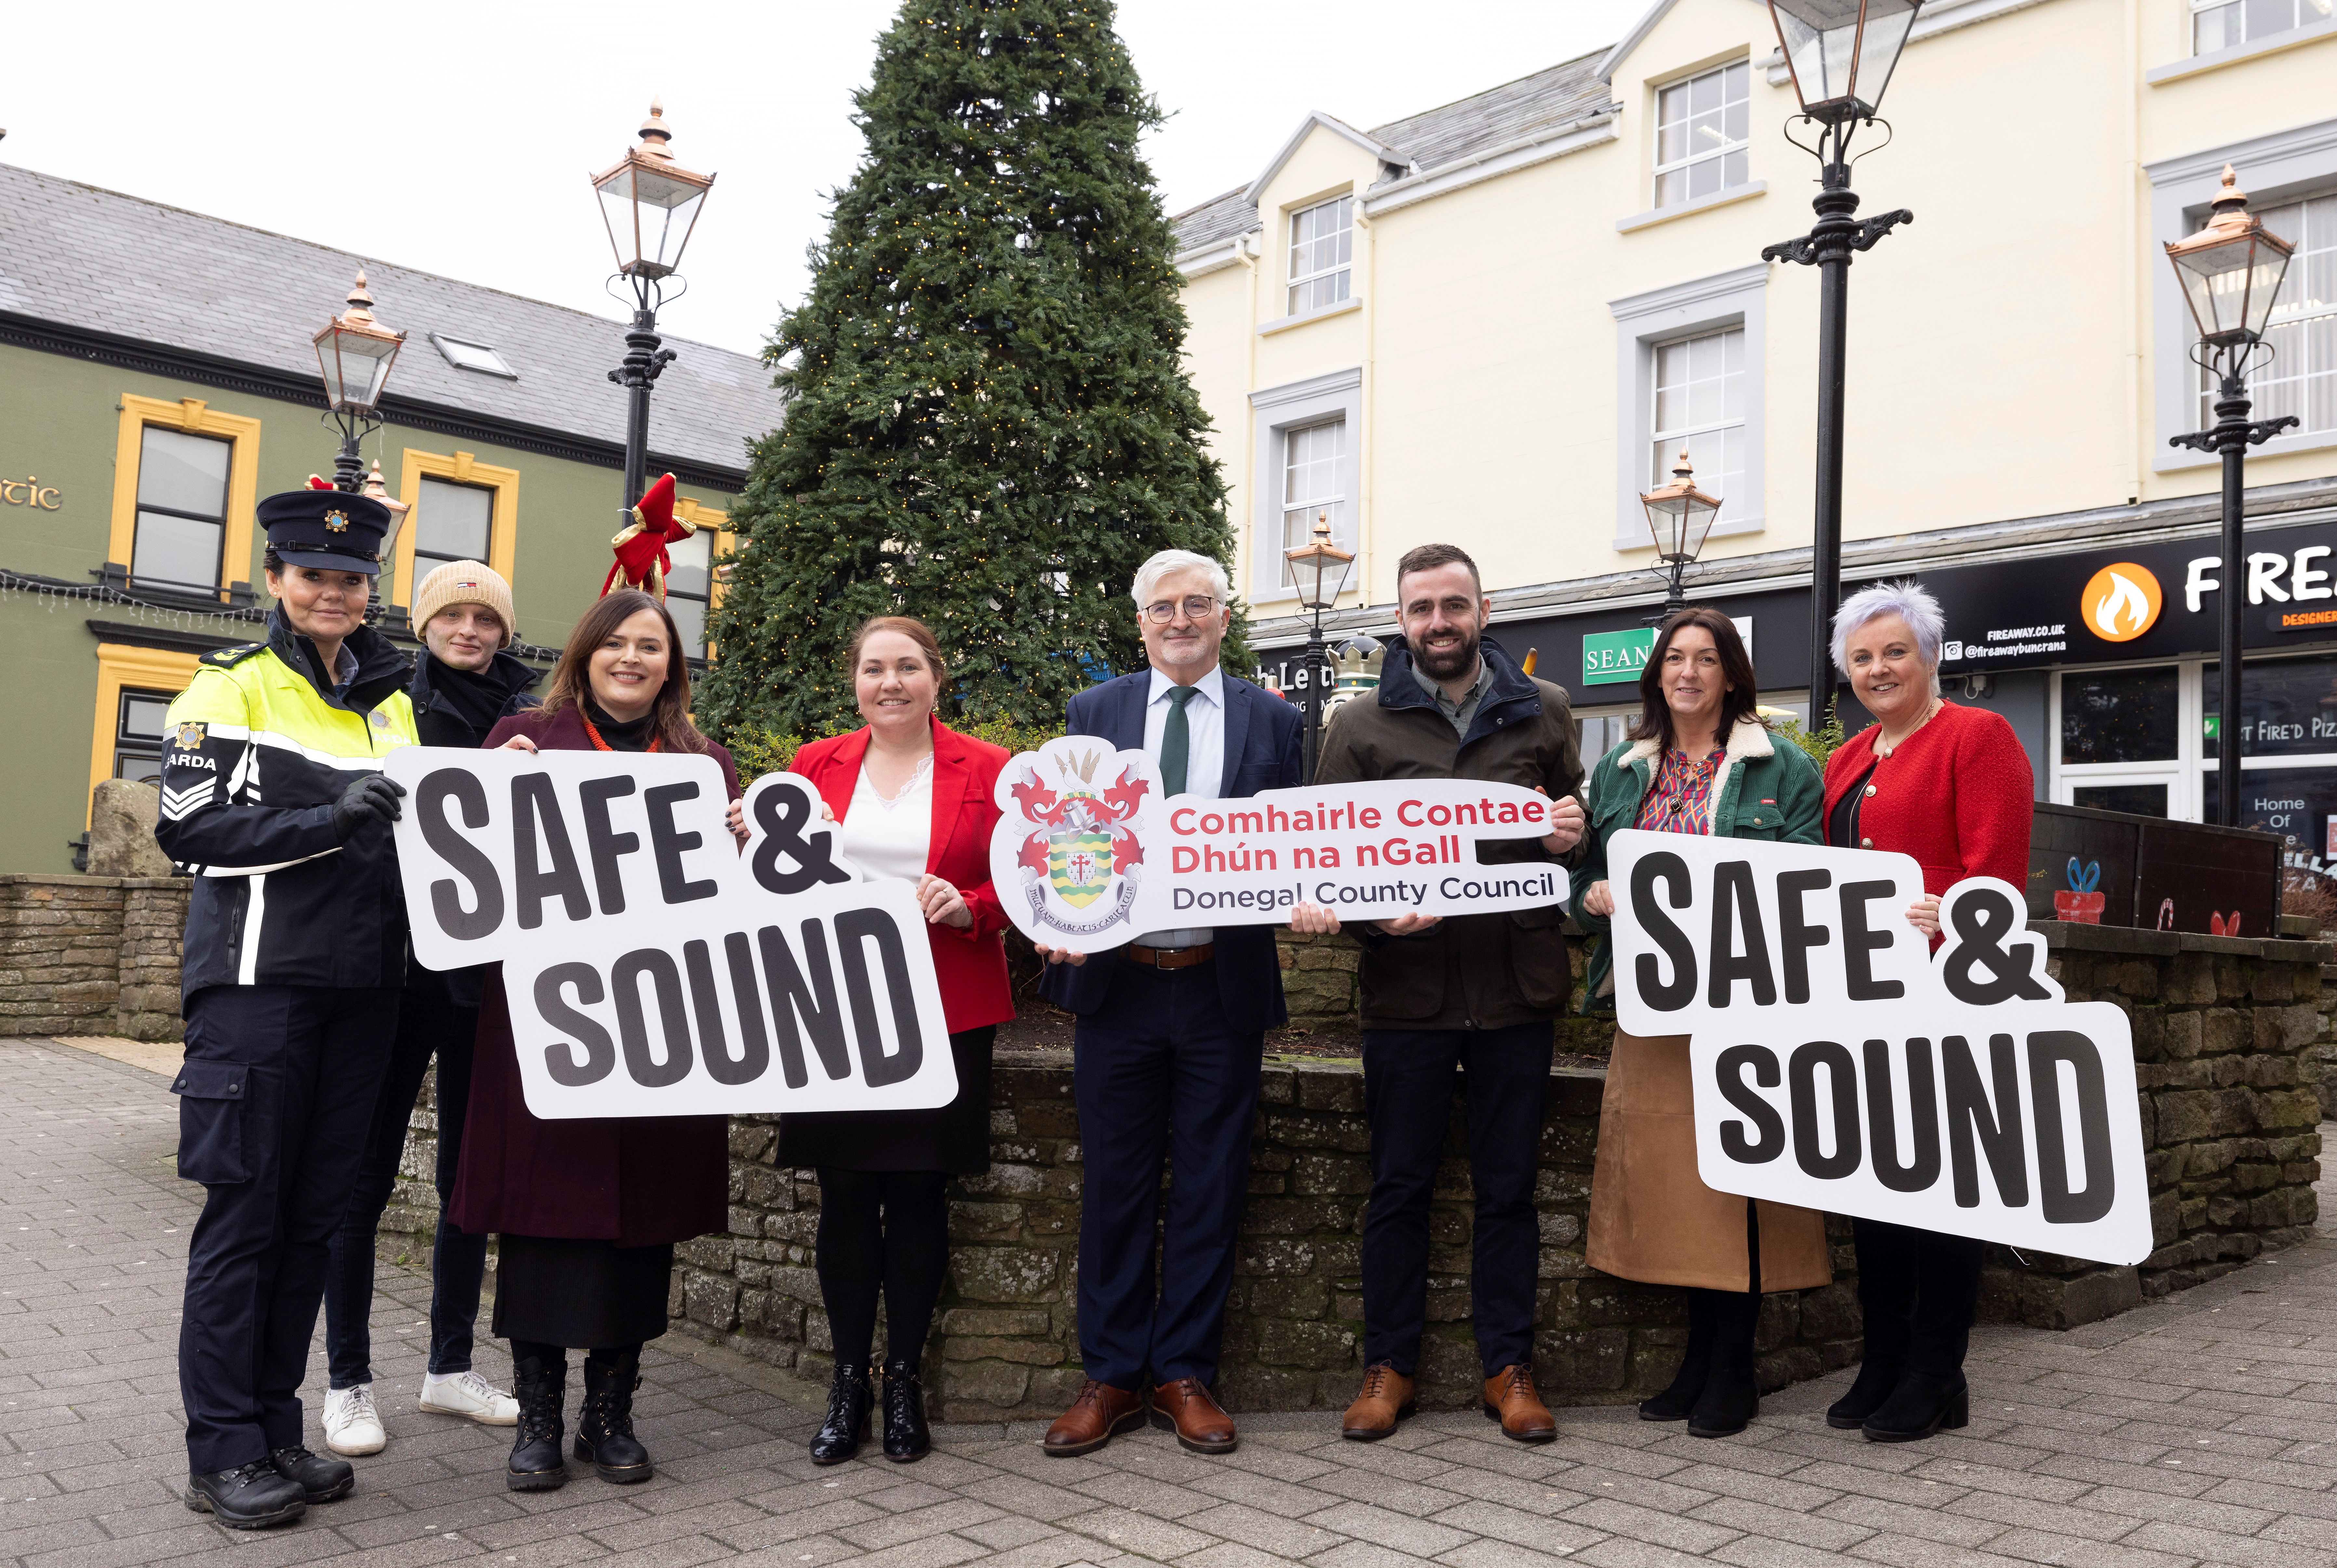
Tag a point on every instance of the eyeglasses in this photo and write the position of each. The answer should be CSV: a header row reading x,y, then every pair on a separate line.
x,y
1195,606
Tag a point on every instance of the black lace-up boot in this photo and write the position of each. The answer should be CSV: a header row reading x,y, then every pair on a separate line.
x,y
907,1436
536,1462
848,1400
604,1427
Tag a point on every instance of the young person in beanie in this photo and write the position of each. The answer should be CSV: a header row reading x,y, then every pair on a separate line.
x,y
274,800
464,685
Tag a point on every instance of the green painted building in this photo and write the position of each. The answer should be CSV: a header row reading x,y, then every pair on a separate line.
x,y
157,378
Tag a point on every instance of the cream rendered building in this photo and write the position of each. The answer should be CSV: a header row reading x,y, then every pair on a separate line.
x,y
1493,324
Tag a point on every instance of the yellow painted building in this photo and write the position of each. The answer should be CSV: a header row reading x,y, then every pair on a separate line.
x,y
1495,322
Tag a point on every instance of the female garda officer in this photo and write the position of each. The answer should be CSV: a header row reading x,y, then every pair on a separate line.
x,y
272,798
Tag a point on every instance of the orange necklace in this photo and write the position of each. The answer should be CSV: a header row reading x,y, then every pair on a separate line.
x,y
657,742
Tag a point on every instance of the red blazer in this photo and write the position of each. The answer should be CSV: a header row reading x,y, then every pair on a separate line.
x,y
970,960
1957,797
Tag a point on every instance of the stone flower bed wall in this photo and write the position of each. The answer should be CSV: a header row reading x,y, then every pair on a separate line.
x,y
91,955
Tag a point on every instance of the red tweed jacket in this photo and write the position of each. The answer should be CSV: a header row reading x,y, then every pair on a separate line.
x,y
1956,797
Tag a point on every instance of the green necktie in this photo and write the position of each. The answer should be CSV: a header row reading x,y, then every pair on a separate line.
x,y
1176,740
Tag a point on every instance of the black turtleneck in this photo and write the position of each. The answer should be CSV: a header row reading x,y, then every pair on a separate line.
x,y
628,737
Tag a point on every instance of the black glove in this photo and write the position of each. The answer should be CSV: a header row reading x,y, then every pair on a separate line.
x,y
372,799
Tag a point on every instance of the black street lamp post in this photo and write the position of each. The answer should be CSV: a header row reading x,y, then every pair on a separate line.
x,y
1679,516
1320,569
649,204
1840,53
354,354
2231,273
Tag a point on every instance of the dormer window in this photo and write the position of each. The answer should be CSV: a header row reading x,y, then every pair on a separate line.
x,y
1322,243
465,356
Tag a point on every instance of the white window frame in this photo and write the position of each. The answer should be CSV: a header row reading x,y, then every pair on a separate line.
x,y
2280,368
1689,438
1342,519
1274,412
2273,169
1643,322
2180,773
1343,270
434,559
2304,19
1679,165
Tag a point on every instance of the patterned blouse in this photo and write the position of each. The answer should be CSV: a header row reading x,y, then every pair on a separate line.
x,y
1679,798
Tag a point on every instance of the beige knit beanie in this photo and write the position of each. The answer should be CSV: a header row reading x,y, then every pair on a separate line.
x,y
464,583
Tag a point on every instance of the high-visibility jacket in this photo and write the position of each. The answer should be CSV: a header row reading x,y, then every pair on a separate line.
x,y
255,753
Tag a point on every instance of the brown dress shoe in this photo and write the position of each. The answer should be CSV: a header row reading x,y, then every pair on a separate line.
x,y
1385,1399
1510,1399
1185,1408
1100,1413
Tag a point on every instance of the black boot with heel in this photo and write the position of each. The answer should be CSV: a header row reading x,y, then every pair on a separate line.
x,y
1920,1407
849,1398
906,1436
1675,1402
1731,1396
540,1386
604,1427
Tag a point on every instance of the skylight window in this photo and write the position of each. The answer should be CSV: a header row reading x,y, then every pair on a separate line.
x,y
477,357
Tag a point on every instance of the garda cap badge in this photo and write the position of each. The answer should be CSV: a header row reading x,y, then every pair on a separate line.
x,y
190,737
338,522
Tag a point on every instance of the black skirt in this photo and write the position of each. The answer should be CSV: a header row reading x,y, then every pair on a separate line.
x,y
585,1294
954,1137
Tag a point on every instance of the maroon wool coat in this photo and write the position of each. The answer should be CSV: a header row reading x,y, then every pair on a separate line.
x,y
635,1181
1956,795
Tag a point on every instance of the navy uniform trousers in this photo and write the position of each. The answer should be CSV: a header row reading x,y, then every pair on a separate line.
x,y
275,1101
1156,1071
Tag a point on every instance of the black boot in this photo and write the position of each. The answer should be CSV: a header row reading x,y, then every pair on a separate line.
x,y
324,1480
1922,1403
248,1498
536,1462
1731,1396
1675,1402
604,1427
848,1399
907,1436
1887,1263
1868,1394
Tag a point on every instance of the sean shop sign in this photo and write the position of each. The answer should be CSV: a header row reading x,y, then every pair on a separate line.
x,y
1610,658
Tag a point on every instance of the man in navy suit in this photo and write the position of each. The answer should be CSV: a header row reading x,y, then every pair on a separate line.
x,y
1171,1032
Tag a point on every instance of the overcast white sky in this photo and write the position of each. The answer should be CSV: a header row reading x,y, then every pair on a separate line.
x,y
457,137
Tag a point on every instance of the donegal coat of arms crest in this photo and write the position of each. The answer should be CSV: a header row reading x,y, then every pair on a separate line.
x,y
1081,844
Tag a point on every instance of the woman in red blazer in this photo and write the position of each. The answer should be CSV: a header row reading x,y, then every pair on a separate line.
x,y
1951,787
912,798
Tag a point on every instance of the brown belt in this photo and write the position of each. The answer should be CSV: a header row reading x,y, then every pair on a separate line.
x,y
1170,957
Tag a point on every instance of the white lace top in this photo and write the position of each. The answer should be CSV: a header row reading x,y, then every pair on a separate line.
x,y
890,837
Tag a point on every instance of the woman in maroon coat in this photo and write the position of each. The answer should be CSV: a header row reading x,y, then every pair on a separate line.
x,y
586,1211
1951,787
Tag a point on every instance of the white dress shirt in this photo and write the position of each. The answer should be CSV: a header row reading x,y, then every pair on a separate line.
x,y
1205,765
890,837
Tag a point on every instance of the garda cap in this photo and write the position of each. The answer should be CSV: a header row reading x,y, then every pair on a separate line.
x,y
331,529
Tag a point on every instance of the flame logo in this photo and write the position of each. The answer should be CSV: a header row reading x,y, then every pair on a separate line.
x,y
2121,602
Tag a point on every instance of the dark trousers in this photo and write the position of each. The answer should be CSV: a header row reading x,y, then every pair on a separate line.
x,y
882,1233
1156,1072
276,1097
428,1023
1408,1097
1917,1290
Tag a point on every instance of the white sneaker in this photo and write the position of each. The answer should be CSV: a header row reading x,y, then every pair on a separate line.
x,y
352,1425
468,1394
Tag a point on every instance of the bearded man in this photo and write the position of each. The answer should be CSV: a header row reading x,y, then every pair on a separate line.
x,y
1475,994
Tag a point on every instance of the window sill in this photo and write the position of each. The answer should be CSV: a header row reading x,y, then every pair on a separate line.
x,y
1688,208
1355,303
2217,59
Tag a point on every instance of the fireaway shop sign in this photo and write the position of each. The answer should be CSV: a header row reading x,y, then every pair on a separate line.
x,y
652,967
1840,1066
1087,854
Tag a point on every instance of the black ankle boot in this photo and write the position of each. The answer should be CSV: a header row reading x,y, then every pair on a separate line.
x,y
1922,1403
604,1427
1731,1397
907,1436
1675,1402
536,1462
1867,1394
848,1399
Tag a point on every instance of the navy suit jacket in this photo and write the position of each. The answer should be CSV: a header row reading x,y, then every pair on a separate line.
x,y
1262,752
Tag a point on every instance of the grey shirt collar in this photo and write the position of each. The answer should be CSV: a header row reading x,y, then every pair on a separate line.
x,y
1461,714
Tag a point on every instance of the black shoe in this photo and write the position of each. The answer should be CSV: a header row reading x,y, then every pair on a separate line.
x,y
248,1498
1730,1400
536,1462
604,1427
1675,1402
1922,1403
848,1399
1871,1390
907,1436
324,1480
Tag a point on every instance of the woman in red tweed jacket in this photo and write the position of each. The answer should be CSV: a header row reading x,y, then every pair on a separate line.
x,y
1951,787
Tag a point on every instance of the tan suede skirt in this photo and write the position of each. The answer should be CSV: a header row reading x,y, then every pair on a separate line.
x,y
1652,1220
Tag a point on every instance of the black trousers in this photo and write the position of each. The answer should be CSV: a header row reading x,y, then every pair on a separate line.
x,y
276,1098
1156,1072
429,1023
1408,1084
882,1233
1917,1290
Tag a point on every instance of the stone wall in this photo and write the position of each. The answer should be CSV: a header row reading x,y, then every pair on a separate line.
x,y
91,955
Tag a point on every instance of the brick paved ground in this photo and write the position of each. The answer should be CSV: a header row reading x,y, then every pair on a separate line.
x,y
2199,1430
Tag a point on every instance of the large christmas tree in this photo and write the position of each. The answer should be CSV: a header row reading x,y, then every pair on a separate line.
x,y
988,426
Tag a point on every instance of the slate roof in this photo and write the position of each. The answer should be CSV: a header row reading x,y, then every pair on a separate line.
x,y
1562,93
76,256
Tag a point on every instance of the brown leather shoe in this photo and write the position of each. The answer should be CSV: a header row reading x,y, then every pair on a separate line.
x,y
1100,1413
1185,1408
1385,1399
1510,1399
